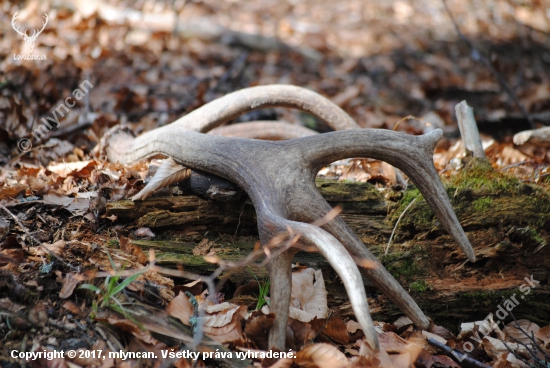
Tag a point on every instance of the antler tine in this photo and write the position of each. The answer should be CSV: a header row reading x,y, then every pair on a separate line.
x,y
44,23
13,24
336,255
35,34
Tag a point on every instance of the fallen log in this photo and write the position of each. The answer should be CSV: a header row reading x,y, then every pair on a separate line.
x,y
505,219
363,206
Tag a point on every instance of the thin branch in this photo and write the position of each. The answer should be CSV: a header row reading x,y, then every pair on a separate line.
x,y
532,338
450,351
519,342
515,354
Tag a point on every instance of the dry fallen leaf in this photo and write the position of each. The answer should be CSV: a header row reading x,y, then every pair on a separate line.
x,y
181,308
366,362
63,169
13,256
38,315
229,330
336,330
257,328
128,247
83,361
402,321
308,299
321,355
515,334
281,363
392,343
129,326
352,326
442,331
71,307
69,284
77,206
299,333
543,334
56,248
495,347
219,315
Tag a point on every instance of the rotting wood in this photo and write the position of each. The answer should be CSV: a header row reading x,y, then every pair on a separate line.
x,y
156,212
505,220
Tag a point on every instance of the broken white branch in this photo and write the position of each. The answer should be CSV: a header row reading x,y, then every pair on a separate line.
x,y
468,130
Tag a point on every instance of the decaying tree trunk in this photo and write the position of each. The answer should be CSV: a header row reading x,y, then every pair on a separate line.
x,y
505,220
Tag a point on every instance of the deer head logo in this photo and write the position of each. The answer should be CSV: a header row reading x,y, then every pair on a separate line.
x,y
29,40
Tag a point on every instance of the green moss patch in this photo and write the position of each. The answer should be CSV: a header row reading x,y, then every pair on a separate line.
x,y
404,265
481,197
419,286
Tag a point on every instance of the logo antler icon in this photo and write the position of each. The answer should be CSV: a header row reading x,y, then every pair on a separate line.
x,y
29,40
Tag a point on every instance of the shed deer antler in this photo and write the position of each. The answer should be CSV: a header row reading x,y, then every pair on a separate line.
x,y
279,178
29,40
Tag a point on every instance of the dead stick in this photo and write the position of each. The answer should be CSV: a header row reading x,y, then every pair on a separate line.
x,y
468,130
463,356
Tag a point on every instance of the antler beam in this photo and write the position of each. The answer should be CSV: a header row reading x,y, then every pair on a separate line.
x,y
279,178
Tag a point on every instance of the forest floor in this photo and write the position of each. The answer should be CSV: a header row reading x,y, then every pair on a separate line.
x,y
81,272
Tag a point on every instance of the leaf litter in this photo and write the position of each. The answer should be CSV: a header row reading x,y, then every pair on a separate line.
x,y
147,74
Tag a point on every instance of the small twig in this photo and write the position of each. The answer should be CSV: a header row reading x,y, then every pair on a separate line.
x,y
323,327
397,223
476,55
450,351
239,223
519,342
514,353
532,338
516,164
468,130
